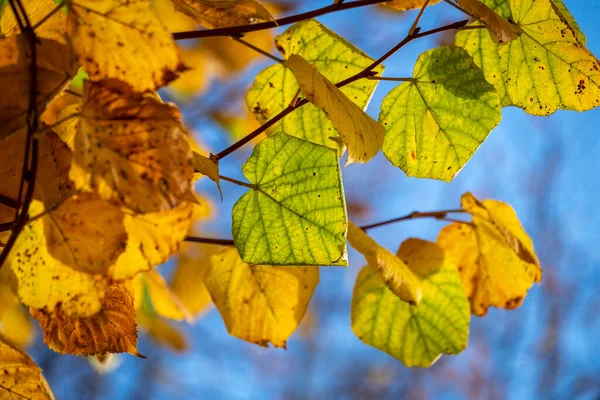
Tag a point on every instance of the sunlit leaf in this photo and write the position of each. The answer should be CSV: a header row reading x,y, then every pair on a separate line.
x,y
233,56
132,149
260,303
17,326
362,135
402,5
334,57
162,332
164,302
416,335
295,214
124,40
55,66
188,284
436,122
207,166
43,281
54,27
173,20
112,329
223,13
495,257
20,377
395,273
500,29
546,68
562,9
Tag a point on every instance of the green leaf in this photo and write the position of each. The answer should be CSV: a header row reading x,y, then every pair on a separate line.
x,y
546,68
334,57
416,335
436,122
296,212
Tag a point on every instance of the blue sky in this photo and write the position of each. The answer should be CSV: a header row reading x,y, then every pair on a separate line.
x,y
548,169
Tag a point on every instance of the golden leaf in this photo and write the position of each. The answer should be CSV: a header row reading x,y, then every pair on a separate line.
x,y
162,332
17,326
112,329
402,5
396,274
500,29
55,66
20,377
260,303
164,301
188,283
494,255
132,149
123,39
207,166
223,13
53,27
361,133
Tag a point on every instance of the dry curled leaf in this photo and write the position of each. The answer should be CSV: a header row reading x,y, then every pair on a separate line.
x,y
223,13
112,329
500,29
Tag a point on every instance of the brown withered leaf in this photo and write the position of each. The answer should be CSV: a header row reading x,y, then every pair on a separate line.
x,y
86,233
20,377
223,13
131,149
112,330
55,66
500,29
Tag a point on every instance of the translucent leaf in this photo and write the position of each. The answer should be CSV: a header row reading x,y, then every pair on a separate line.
x,y
207,166
402,5
436,122
112,329
495,257
132,149
42,281
56,65
295,214
395,273
546,68
17,326
164,302
501,30
53,27
334,57
188,284
223,13
162,332
20,377
260,303
416,335
362,134
111,37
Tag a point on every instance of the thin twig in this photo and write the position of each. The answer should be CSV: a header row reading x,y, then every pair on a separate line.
x,y
240,30
7,201
385,78
56,9
222,242
258,49
235,181
459,8
367,72
441,215
412,29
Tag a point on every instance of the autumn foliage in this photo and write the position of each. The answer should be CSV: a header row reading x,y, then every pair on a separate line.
x,y
97,172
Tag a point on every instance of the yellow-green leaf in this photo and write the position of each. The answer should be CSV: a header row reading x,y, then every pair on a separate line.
x,y
260,303
295,213
416,335
334,57
546,68
20,377
501,30
495,256
223,13
435,122
395,273
562,9
123,39
360,133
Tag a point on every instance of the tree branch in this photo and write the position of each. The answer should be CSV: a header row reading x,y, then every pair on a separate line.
x,y
366,73
440,215
240,30
221,242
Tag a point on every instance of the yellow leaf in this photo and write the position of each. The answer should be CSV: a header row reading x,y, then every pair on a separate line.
x,y
20,377
234,56
361,133
55,66
164,301
86,233
260,303
42,281
174,21
494,255
125,40
17,326
396,274
402,5
8,300
162,332
500,29
52,28
112,330
223,13
132,149
188,283
207,166
194,81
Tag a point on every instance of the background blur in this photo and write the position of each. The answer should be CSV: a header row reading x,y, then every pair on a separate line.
x,y
548,169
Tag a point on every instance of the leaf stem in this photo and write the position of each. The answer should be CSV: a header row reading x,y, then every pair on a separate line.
x,y
258,49
222,242
240,30
384,78
413,28
440,215
235,181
